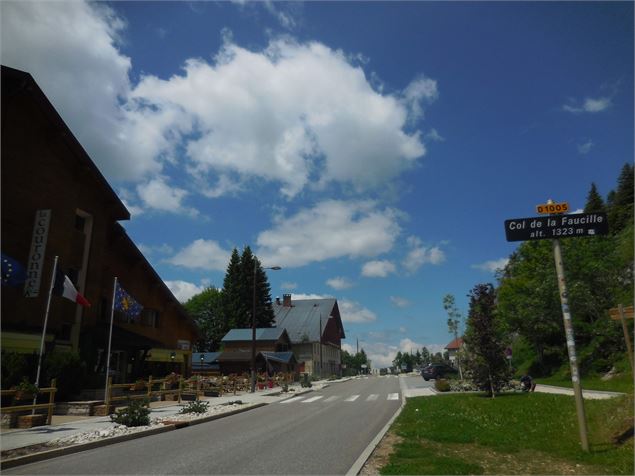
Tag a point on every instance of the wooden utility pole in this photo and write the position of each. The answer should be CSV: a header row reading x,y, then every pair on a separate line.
x,y
621,313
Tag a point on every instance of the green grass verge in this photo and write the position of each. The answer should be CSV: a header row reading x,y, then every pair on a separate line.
x,y
620,383
527,433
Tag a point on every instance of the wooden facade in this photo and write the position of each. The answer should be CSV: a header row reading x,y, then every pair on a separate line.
x,y
44,167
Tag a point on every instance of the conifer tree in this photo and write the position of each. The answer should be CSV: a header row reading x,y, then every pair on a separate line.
x,y
621,203
264,311
594,202
484,338
235,307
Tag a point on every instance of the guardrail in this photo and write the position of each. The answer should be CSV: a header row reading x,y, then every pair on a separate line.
x,y
36,406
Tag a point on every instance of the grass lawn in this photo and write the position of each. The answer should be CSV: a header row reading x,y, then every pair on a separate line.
x,y
620,383
520,433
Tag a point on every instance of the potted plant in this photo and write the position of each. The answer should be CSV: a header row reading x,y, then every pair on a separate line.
x,y
25,390
261,382
140,384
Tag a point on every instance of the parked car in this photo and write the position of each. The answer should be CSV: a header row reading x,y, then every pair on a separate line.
x,y
436,371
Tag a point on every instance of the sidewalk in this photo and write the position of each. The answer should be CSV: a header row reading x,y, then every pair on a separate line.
x,y
588,394
73,430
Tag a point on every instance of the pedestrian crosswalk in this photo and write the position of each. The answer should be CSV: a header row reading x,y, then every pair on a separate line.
x,y
373,397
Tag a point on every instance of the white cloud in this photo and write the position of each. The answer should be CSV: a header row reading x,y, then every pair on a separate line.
x,y
202,254
492,266
351,311
285,114
399,301
588,105
184,290
339,283
289,286
163,249
159,195
420,255
331,229
296,114
301,296
586,147
71,50
378,269
434,136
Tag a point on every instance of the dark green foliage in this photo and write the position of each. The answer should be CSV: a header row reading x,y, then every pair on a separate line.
x,y
206,309
16,366
484,338
68,369
442,385
599,273
238,288
594,202
137,413
195,407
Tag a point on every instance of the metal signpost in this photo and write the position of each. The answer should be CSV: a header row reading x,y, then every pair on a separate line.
x,y
554,226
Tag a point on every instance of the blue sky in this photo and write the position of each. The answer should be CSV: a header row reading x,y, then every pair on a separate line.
x,y
373,150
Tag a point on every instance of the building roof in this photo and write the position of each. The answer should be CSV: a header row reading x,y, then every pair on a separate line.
x,y
208,357
262,334
16,83
455,344
283,357
305,317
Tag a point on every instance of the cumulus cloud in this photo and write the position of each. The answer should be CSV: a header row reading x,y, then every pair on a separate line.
x,y
352,311
419,254
296,114
585,148
339,283
157,194
202,254
184,290
492,266
399,301
590,105
331,229
378,269
301,296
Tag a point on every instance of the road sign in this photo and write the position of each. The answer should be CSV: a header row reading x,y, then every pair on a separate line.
x,y
554,227
629,313
548,208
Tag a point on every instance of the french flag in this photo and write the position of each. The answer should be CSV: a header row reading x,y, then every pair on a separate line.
x,y
64,287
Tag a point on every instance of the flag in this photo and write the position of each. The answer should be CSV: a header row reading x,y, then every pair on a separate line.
x,y
13,273
64,287
125,303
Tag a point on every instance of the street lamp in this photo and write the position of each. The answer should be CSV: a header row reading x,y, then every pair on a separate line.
x,y
253,327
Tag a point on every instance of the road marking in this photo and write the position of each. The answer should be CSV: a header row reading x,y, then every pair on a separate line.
x,y
372,397
294,399
393,396
332,398
352,398
312,399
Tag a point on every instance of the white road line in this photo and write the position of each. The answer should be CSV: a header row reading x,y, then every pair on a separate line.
x,y
372,397
294,399
393,396
312,399
331,398
352,398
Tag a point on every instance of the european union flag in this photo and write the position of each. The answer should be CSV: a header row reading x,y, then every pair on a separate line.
x,y
125,303
13,273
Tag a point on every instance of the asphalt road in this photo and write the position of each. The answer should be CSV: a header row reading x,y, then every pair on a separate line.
x,y
322,432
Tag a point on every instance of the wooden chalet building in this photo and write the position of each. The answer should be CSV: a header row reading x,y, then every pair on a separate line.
x,y
54,195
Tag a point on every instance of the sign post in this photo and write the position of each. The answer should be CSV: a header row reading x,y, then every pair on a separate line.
x,y
622,313
553,226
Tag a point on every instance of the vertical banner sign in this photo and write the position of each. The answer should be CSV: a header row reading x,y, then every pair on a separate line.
x,y
36,256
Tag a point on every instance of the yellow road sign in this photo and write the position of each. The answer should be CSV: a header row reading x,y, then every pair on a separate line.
x,y
548,208
629,313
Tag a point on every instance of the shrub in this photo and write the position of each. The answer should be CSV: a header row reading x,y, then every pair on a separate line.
x,y
442,385
135,414
15,366
195,407
68,369
462,386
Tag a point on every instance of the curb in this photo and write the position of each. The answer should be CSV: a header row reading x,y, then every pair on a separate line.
x,y
66,450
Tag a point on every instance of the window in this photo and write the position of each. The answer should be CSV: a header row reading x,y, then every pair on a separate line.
x,y
80,222
150,318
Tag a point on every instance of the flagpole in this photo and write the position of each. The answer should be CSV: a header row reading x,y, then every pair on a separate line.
x,y
46,318
112,315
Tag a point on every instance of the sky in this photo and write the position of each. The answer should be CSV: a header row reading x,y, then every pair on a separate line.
x,y
372,150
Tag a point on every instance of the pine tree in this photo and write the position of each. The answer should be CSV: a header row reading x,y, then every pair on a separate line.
x,y
486,361
594,202
621,204
264,311
235,307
